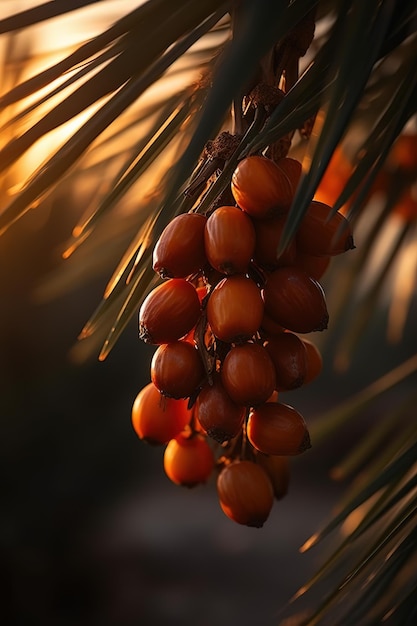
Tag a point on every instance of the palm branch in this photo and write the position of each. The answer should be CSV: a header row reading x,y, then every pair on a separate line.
x,y
147,97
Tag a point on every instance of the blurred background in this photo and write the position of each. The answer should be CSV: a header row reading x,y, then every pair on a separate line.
x,y
92,531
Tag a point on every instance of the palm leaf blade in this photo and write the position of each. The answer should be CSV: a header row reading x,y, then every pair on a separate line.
x,y
145,164
397,467
59,164
45,11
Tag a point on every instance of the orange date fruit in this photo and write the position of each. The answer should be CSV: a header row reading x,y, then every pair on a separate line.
x,y
177,369
188,460
216,412
288,354
295,300
278,429
278,469
245,493
235,309
179,251
248,374
261,188
157,419
229,240
169,312
323,234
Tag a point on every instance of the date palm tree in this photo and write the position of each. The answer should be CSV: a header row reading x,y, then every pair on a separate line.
x,y
157,109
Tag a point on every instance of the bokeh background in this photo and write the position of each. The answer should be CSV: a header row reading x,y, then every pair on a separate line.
x,y
92,531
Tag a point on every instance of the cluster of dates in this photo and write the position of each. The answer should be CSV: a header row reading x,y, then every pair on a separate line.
x,y
229,320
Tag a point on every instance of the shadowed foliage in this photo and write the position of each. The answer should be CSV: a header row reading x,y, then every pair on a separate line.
x,y
144,100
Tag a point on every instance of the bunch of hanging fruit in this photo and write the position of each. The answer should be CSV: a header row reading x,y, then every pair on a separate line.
x,y
229,320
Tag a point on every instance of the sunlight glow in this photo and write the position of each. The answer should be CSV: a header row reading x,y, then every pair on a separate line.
x,y
403,292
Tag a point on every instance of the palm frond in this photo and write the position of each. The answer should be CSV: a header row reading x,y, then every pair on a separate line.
x,y
40,13
146,97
